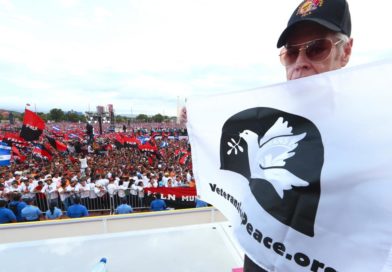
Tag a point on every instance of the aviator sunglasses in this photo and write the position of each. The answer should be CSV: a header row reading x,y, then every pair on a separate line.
x,y
315,50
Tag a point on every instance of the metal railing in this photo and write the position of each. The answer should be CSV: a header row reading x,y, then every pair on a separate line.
x,y
104,203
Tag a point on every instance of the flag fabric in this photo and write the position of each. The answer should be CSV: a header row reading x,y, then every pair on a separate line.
x,y
72,159
59,146
119,140
33,126
184,158
171,191
5,155
148,147
13,139
42,152
131,141
302,169
16,155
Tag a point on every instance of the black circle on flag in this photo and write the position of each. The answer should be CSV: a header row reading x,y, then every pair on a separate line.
x,y
281,155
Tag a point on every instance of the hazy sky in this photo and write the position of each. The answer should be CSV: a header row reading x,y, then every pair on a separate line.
x,y
141,55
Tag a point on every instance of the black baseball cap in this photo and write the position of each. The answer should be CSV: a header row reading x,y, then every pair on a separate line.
x,y
332,14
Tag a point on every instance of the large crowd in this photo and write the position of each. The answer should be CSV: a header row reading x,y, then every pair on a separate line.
x,y
98,172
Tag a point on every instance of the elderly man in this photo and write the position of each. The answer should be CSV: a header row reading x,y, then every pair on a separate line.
x,y
316,40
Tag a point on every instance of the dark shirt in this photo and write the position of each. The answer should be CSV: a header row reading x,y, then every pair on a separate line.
x,y
250,266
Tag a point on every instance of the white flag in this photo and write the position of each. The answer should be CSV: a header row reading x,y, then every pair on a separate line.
x,y
303,169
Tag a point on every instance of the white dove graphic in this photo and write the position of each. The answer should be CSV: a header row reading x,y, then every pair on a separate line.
x,y
267,157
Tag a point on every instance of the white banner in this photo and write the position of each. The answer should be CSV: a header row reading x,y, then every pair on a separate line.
x,y
303,169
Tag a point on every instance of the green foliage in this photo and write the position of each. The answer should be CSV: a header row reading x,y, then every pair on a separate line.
x,y
158,118
142,117
56,115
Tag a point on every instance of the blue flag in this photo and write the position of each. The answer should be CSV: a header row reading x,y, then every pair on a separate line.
x,y
5,155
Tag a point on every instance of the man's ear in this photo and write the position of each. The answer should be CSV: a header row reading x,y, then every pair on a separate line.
x,y
347,52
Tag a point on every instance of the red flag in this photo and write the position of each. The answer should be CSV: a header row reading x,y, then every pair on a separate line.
x,y
14,139
16,154
42,152
119,138
32,127
132,141
72,159
148,147
184,158
59,146
150,160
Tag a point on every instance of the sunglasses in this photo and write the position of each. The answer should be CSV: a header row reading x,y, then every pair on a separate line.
x,y
315,50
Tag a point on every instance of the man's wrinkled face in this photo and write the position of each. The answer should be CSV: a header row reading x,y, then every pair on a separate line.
x,y
303,66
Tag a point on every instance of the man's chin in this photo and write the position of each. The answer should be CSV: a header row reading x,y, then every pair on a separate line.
x,y
301,75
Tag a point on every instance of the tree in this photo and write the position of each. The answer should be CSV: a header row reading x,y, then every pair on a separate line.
x,y
72,116
158,118
142,117
56,115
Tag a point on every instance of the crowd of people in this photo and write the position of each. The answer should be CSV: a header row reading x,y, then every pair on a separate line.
x,y
103,173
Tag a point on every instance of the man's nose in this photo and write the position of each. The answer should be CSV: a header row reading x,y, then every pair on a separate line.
x,y
302,62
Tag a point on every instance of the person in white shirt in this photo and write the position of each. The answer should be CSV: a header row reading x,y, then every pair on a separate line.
x,y
101,193
112,191
65,192
140,193
133,193
82,189
102,181
27,188
15,187
57,179
123,190
93,198
83,163
152,183
177,181
165,179
50,190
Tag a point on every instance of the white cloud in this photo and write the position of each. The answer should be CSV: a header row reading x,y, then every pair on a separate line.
x,y
143,54
7,5
68,3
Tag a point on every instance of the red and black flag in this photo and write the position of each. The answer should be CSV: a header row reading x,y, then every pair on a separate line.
x,y
59,146
17,155
13,139
32,127
119,140
41,151
148,148
184,158
131,141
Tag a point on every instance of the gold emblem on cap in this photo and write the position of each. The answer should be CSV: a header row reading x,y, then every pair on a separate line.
x,y
308,6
